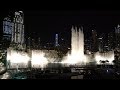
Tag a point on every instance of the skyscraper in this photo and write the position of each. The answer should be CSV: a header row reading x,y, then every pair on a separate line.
x,y
39,43
33,43
87,46
18,30
56,40
117,36
7,28
94,41
7,32
101,42
29,43
111,40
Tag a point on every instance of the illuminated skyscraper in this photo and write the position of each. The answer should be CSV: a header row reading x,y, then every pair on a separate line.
x,y
7,28
101,42
117,44
7,32
29,43
111,40
17,39
94,41
56,40
39,42
117,36
18,31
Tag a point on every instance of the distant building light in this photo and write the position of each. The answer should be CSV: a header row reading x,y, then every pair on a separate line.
x,y
62,39
106,46
99,38
21,11
17,13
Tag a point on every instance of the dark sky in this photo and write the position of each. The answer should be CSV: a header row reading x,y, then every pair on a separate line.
x,y
50,22
59,20
47,23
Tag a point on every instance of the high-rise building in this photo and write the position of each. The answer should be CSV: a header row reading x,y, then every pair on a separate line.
x,y
101,42
7,32
111,40
56,40
39,43
33,43
18,31
117,36
29,43
94,41
87,46
100,47
17,39
106,42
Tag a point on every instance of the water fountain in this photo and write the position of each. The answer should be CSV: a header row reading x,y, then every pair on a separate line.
x,y
76,56
38,59
20,59
109,56
17,59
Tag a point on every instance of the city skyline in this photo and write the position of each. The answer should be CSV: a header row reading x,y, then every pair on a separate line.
x,y
78,44
59,20
45,24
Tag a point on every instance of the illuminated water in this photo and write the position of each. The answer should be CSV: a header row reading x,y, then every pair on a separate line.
x,y
20,59
76,56
17,59
38,59
105,56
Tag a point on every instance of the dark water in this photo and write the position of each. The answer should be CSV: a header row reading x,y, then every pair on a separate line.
x,y
60,71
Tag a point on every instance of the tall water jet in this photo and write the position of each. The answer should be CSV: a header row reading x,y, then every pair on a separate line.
x,y
76,55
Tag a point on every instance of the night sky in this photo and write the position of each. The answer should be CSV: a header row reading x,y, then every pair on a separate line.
x,y
46,23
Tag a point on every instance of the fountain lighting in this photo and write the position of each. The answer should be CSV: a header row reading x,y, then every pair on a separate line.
x,y
76,56
38,59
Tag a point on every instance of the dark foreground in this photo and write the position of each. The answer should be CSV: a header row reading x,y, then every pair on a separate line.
x,y
70,73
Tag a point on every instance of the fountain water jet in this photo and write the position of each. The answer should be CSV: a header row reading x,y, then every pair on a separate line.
x,y
20,59
17,58
105,56
38,59
77,48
